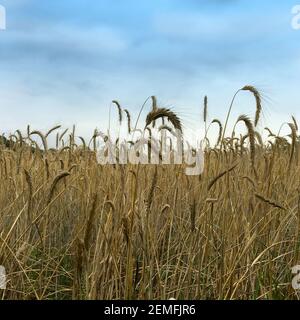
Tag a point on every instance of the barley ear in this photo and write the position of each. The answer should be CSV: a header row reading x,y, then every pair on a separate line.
x,y
257,97
251,134
128,120
162,112
119,110
294,138
205,109
55,183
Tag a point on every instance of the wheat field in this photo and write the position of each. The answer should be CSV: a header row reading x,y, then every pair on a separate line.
x,y
73,229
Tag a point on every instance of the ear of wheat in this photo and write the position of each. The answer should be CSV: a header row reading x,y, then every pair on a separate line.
x,y
43,138
52,130
294,138
128,120
219,176
218,122
55,183
268,201
271,134
251,134
154,103
119,110
205,109
163,112
154,108
295,123
257,97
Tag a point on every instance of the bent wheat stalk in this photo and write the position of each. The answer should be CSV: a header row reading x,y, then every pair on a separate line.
x,y
212,183
43,138
163,112
55,183
268,201
119,110
128,120
294,138
251,136
257,96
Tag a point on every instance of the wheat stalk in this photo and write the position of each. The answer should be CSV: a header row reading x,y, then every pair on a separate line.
x,y
219,176
128,120
162,112
119,110
205,109
89,224
257,97
268,201
55,183
52,130
43,138
218,122
251,134
295,123
294,138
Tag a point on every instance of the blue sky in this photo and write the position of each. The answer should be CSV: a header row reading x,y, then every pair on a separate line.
x,y
62,62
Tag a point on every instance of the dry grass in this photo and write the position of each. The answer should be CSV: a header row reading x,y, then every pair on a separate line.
x,y
70,228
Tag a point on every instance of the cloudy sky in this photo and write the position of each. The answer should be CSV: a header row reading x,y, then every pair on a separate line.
x,y
63,62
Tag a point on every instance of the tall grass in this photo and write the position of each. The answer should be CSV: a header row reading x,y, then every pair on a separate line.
x,y
72,229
